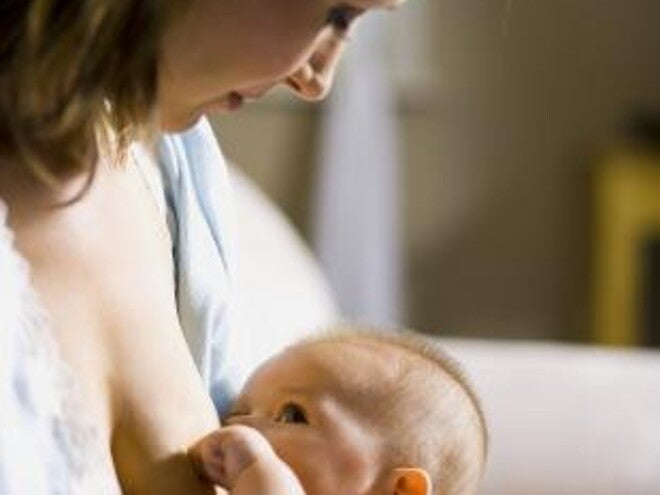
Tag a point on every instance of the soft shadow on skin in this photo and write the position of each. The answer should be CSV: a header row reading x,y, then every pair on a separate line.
x,y
184,464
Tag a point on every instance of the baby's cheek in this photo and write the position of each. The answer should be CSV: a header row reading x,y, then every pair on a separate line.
x,y
359,467
307,459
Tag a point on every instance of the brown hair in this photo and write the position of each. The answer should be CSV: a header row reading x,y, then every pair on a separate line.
x,y
70,69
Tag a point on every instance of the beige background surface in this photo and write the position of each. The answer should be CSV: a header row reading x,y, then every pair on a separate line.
x,y
502,110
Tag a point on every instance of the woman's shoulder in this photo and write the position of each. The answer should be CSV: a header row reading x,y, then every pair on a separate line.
x,y
32,205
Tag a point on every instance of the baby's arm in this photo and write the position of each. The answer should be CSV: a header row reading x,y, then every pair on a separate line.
x,y
240,459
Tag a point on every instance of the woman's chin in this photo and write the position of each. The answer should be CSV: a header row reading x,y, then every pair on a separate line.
x,y
182,121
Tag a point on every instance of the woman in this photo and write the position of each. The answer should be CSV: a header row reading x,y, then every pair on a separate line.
x,y
79,81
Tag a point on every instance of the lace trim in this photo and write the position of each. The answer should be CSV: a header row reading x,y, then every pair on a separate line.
x,y
43,389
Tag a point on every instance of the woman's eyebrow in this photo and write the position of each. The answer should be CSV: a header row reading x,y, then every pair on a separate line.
x,y
378,4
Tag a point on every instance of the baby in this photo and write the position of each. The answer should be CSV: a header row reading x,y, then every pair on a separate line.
x,y
351,413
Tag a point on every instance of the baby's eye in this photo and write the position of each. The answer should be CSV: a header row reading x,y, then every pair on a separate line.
x,y
292,413
341,17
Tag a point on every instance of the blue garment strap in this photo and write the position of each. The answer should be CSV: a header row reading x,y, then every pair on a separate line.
x,y
198,200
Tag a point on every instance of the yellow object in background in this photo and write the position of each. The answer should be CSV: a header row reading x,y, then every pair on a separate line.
x,y
627,219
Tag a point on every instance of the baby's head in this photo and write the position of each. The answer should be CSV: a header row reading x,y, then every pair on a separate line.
x,y
369,413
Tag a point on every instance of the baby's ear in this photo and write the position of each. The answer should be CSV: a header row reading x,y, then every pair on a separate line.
x,y
410,481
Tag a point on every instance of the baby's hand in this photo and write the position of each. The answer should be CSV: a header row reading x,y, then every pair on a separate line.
x,y
240,459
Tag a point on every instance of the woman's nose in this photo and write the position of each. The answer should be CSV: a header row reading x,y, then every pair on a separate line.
x,y
313,80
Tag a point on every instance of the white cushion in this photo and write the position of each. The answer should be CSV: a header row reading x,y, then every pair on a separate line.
x,y
567,419
279,292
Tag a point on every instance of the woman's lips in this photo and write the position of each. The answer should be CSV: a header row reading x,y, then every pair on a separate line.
x,y
234,100
228,103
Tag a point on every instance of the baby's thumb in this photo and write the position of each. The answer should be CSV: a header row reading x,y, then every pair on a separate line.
x,y
223,455
207,459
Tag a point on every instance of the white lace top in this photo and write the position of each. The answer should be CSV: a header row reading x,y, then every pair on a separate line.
x,y
46,444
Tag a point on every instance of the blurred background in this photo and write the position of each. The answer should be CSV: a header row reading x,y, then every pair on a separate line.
x,y
500,179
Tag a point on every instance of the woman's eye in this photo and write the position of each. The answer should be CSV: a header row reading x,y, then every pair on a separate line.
x,y
292,413
341,17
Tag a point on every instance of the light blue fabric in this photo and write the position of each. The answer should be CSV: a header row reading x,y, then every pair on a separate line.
x,y
198,200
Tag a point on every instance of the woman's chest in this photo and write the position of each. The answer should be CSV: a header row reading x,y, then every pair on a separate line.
x,y
104,272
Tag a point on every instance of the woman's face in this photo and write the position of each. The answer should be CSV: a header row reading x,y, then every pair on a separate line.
x,y
220,53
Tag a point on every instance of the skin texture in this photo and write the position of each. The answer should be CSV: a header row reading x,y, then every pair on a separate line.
x,y
102,267
250,46
241,460
353,413
102,270
335,452
302,402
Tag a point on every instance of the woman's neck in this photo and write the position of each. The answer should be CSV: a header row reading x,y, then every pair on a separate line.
x,y
26,195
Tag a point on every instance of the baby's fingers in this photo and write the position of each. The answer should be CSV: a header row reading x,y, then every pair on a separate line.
x,y
223,455
208,460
